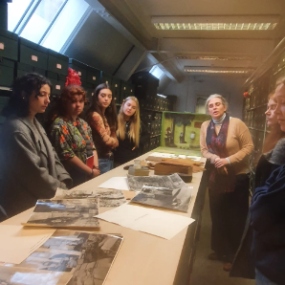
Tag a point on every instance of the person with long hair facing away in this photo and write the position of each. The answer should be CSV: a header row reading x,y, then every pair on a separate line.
x,y
267,211
31,168
274,143
71,136
226,142
102,117
275,133
273,155
128,133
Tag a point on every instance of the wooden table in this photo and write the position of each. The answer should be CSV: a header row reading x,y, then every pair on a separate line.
x,y
144,258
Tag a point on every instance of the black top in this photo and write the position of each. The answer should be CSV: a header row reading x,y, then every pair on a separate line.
x,y
127,150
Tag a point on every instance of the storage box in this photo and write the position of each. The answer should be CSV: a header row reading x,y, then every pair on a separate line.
x,y
116,89
57,62
126,90
166,166
7,72
3,102
33,54
8,45
23,68
93,76
57,82
106,78
161,168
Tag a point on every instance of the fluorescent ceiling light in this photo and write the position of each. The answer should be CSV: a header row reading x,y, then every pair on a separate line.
x,y
161,95
215,23
222,58
216,71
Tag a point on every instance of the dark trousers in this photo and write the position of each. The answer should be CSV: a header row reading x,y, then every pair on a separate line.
x,y
228,213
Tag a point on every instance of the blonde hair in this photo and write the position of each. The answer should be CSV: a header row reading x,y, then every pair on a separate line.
x,y
135,122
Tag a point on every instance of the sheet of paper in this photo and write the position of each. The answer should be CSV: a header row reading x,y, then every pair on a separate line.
x,y
119,183
17,243
148,220
195,158
162,154
171,155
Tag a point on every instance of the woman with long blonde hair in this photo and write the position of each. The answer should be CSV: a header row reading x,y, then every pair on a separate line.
x,y
128,133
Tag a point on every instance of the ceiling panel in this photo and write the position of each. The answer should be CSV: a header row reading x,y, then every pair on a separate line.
x,y
169,47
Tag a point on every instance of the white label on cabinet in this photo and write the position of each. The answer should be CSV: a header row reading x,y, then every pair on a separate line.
x,y
79,73
34,58
57,87
2,46
94,78
58,66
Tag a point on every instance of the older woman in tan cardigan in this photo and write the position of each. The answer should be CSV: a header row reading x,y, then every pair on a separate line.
x,y
226,142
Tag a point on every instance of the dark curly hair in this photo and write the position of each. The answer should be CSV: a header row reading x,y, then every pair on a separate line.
x,y
22,89
110,112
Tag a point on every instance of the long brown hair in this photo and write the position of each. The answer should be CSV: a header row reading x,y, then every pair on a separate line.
x,y
110,112
135,122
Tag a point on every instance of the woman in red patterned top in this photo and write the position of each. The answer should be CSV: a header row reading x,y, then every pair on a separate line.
x,y
71,136
102,118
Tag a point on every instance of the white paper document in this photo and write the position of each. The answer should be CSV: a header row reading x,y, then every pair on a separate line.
x,y
171,155
119,183
17,243
195,158
162,154
151,221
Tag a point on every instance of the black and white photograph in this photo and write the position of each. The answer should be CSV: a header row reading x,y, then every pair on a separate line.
x,y
73,194
174,199
176,180
110,194
65,213
78,257
111,203
136,182
99,252
110,198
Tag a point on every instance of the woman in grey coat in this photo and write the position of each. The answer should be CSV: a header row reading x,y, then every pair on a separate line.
x,y
30,167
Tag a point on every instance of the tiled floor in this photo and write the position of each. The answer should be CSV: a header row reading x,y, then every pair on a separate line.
x,y
205,271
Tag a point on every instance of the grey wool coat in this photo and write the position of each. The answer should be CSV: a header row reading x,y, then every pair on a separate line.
x,y
30,167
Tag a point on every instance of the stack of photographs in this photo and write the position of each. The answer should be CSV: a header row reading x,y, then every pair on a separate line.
x,y
68,257
169,192
108,198
66,213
